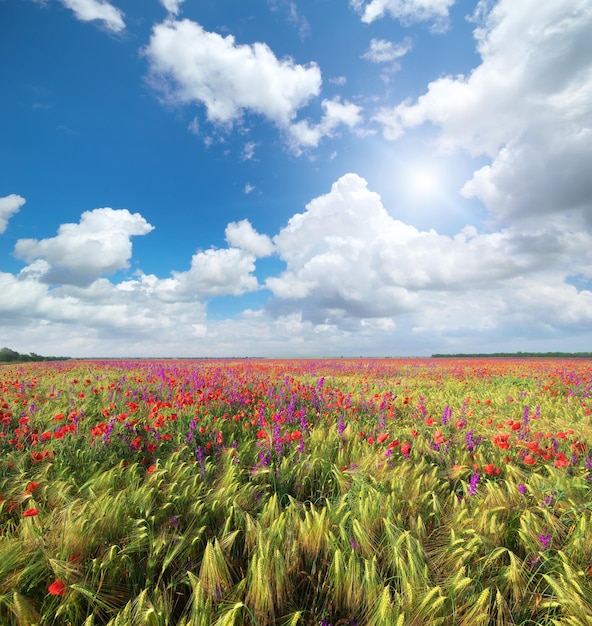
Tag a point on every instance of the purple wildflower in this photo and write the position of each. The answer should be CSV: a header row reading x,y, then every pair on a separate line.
x,y
471,441
472,488
550,499
340,425
545,541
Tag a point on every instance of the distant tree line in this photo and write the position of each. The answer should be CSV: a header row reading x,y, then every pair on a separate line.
x,y
563,355
12,356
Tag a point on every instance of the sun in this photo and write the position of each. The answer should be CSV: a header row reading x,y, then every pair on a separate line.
x,y
423,182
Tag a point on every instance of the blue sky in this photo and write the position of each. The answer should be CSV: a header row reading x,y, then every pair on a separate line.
x,y
285,178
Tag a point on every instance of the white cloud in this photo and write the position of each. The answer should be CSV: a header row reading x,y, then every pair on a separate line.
x,y
249,150
91,10
242,235
99,244
356,281
249,188
172,6
228,271
9,205
348,259
382,51
191,65
228,78
406,11
527,106
335,113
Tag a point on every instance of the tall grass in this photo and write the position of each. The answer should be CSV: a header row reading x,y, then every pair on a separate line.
x,y
281,493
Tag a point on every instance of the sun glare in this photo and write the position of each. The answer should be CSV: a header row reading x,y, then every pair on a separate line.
x,y
424,182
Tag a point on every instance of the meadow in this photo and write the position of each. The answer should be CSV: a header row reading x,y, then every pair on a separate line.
x,y
296,492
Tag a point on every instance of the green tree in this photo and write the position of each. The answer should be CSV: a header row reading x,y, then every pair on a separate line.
x,y
6,354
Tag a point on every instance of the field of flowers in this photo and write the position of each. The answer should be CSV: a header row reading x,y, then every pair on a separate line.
x,y
327,492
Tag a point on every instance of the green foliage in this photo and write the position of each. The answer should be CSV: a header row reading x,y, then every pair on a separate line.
x,y
11,356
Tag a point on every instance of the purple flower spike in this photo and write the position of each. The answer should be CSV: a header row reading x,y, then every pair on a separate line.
x,y
472,489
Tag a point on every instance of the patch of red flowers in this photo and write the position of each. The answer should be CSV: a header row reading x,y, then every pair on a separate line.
x,y
57,588
32,486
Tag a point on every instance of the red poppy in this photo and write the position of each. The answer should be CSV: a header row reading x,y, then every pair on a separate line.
x,y
439,437
561,460
32,486
382,437
501,441
57,588
405,448
31,513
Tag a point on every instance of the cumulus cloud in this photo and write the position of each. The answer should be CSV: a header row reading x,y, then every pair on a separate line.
x,y
191,65
347,258
242,235
526,106
383,51
203,67
406,11
228,271
9,205
99,244
213,272
101,10
356,281
304,134
100,318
